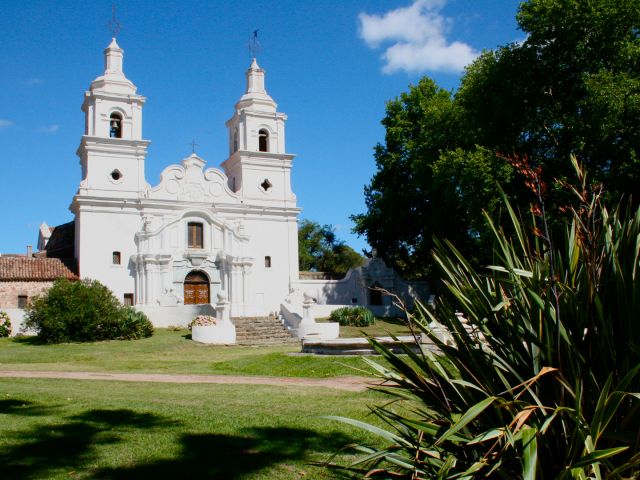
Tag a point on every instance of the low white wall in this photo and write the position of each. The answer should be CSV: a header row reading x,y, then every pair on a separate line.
x,y
176,316
319,331
16,315
222,334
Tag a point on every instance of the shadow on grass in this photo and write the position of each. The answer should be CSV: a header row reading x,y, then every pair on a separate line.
x,y
24,408
73,445
29,340
44,449
232,457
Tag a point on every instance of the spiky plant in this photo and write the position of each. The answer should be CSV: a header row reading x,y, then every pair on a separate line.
x,y
552,389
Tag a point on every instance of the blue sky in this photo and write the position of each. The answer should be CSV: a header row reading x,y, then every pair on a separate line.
x,y
330,65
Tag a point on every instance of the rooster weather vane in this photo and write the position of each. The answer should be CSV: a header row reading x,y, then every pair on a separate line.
x,y
254,44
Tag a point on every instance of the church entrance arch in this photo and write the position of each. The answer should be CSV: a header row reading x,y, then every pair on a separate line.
x,y
196,288
375,294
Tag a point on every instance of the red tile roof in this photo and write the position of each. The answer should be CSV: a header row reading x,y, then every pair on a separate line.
x,y
33,269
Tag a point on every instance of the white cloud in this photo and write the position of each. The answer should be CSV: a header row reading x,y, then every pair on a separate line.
x,y
5,123
49,129
417,34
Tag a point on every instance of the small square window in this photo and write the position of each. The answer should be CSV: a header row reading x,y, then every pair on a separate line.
x,y
267,262
128,299
354,300
116,257
22,301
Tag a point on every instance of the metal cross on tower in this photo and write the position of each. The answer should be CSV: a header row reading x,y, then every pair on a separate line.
x,y
114,25
193,146
254,44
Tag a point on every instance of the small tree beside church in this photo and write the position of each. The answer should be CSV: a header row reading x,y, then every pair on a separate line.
x,y
84,311
321,251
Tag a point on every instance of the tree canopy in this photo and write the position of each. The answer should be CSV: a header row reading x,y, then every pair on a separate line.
x,y
321,251
571,87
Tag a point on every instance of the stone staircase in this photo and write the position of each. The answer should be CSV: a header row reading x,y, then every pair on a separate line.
x,y
261,331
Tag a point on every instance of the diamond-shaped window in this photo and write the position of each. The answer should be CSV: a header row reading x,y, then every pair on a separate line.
x,y
266,185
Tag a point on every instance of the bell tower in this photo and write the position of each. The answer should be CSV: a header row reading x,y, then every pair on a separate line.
x,y
112,151
258,167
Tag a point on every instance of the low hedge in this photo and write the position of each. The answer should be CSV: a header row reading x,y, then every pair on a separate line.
x,y
353,316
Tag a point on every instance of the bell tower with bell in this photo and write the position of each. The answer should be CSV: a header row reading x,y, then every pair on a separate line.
x,y
112,152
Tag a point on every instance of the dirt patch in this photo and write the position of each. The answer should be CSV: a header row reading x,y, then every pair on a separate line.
x,y
349,383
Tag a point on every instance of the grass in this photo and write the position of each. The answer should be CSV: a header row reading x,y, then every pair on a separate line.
x,y
171,352
60,429
383,327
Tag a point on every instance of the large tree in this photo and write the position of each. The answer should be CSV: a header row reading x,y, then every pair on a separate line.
x,y
321,251
572,86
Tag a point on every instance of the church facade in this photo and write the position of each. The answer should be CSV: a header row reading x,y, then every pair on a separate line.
x,y
203,238
201,233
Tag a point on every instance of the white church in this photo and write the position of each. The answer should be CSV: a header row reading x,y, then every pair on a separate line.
x,y
202,235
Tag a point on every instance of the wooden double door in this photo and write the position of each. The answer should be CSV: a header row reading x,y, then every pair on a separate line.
x,y
196,289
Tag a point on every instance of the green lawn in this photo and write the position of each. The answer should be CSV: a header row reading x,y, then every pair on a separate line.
x,y
381,328
61,429
172,352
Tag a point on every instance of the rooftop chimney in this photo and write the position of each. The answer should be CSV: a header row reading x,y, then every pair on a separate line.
x,y
29,251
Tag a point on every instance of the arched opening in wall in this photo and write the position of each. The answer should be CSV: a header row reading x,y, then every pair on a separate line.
x,y
375,294
196,288
263,140
115,125
236,144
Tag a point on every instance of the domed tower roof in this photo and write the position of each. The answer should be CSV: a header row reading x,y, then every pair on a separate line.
x,y
256,97
113,79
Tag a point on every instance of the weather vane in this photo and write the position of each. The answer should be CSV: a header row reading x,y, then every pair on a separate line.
x,y
193,145
254,44
114,25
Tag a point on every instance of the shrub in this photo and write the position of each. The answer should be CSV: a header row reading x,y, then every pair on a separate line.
x,y
554,392
82,311
353,316
135,325
5,324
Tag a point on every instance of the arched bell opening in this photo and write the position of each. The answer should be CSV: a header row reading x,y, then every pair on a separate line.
x,y
263,140
197,288
115,125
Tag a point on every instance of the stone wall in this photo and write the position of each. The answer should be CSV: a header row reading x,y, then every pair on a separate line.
x,y
9,292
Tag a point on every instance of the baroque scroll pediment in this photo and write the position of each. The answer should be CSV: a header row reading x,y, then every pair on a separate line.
x,y
190,182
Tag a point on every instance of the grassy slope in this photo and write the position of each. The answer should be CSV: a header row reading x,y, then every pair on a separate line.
x,y
70,429
381,328
171,352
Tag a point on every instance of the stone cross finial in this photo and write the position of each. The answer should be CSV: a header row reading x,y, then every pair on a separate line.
x,y
114,25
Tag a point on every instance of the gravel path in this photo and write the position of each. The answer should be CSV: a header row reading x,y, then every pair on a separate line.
x,y
349,383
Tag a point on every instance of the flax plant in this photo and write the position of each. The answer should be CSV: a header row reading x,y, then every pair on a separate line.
x,y
541,381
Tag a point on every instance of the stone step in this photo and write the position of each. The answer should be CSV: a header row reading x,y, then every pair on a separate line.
x,y
265,329
281,333
261,331
268,341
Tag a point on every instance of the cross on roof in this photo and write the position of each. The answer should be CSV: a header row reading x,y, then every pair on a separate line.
x,y
193,146
114,25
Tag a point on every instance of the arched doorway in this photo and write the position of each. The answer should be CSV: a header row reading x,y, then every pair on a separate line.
x,y
375,295
196,288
